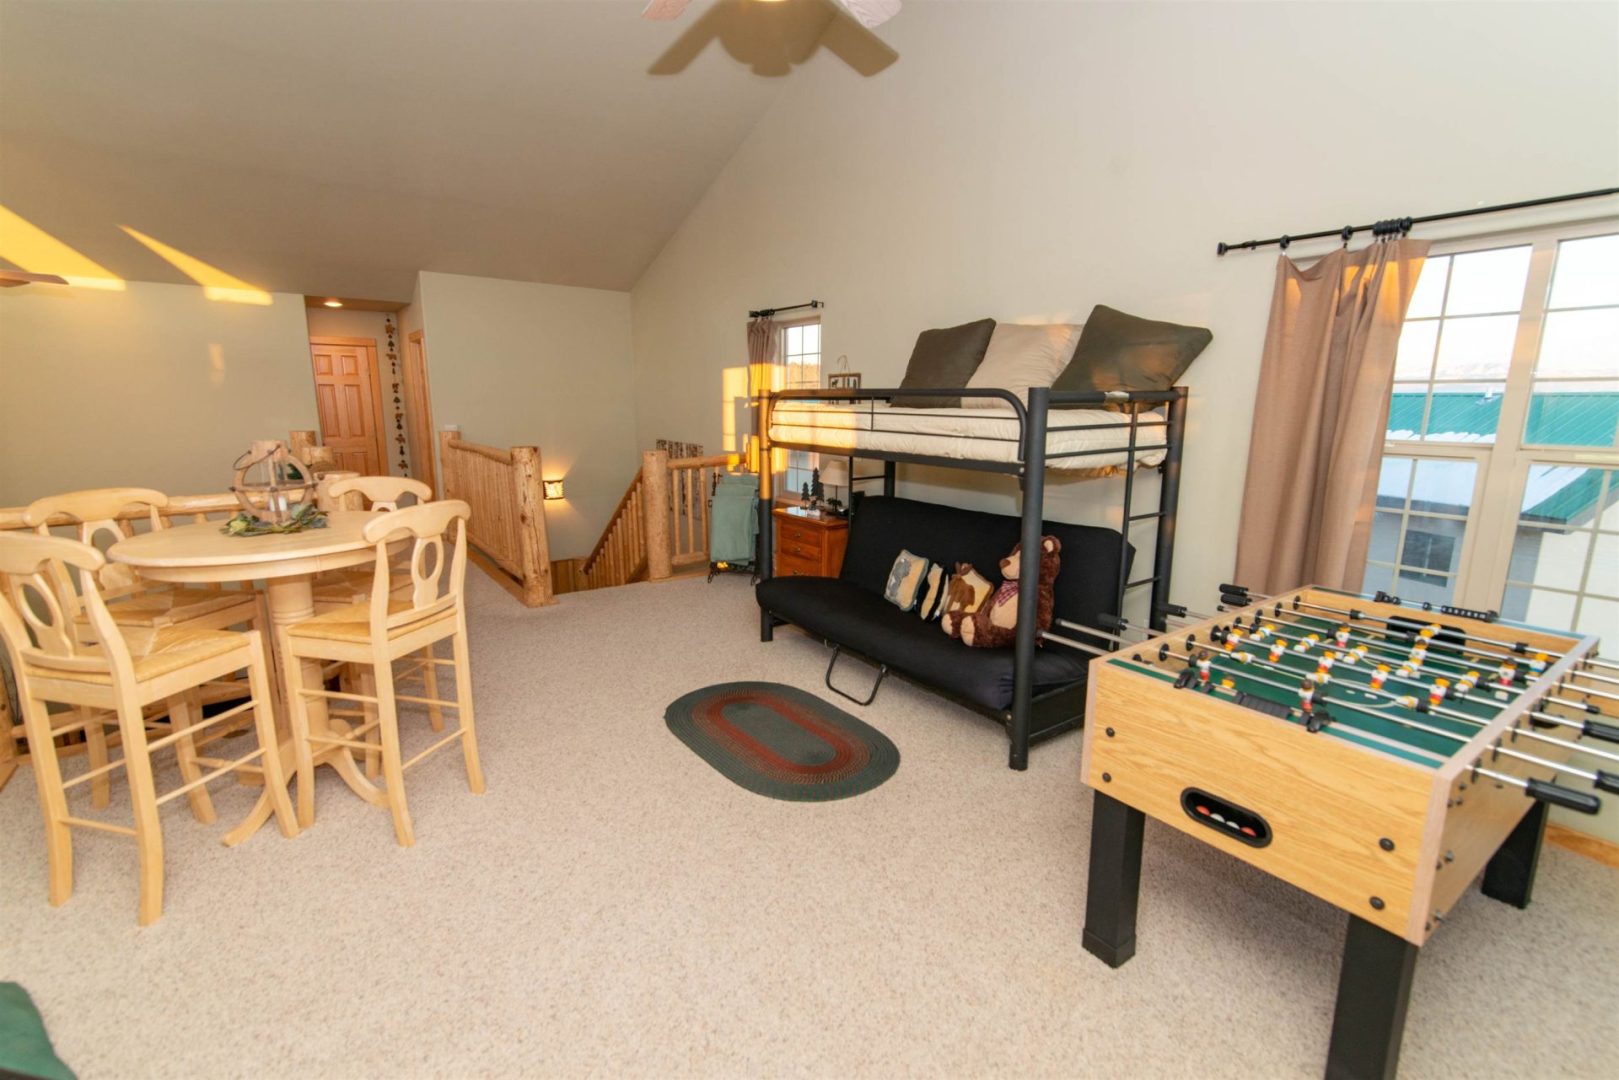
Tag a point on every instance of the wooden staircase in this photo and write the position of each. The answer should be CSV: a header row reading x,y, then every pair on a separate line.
x,y
659,526
620,556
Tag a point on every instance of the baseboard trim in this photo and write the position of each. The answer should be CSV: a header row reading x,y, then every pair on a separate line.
x,y
1603,851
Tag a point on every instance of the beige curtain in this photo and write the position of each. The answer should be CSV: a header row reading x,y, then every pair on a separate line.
x,y
1320,415
762,339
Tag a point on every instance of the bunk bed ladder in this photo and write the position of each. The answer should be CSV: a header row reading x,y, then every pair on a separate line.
x,y
1034,500
1168,499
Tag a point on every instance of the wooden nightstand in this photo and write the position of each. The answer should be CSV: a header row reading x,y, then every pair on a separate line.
x,y
809,546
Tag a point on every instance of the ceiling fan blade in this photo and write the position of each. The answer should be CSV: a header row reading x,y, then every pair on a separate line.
x,y
664,9
870,13
10,279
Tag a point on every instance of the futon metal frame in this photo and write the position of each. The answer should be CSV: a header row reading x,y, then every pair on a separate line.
x,y
1064,706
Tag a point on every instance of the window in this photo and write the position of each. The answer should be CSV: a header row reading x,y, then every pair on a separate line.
x,y
1500,480
801,369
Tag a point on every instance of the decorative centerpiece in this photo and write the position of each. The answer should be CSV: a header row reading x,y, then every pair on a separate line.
x,y
277,493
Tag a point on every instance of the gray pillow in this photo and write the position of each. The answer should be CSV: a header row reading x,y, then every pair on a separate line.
x,y
944,360
1121,352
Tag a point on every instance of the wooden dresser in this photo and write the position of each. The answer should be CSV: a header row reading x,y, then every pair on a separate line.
x,y
807,546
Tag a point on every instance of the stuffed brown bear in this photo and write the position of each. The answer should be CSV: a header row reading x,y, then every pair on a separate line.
x,y
994,625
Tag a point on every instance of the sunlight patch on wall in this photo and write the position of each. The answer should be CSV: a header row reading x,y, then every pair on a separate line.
x,y
216,283
737,412
38,252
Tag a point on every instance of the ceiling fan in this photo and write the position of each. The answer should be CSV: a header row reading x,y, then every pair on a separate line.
x,y
868,13
10,279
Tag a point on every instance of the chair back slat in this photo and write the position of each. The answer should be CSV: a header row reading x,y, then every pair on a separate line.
x,y
94,515
38,606
382,492
437,583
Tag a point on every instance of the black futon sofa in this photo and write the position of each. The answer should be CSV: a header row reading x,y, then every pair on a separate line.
x,y
849,611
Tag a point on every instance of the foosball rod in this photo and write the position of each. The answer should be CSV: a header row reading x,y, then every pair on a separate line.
x,y
1604,781
1239,596
1451,667
1449,714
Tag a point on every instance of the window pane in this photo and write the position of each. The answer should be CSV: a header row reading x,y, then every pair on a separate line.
x,y
1587,272
1482,281
1385,535
1443,487
1573,414
1578,343
1548,557
1378,579
794,340
1465,413
1478,348
1537,606
1604,575
1432,544
1393,481
1405,410
812,338
1415,358
1600,617
1430,293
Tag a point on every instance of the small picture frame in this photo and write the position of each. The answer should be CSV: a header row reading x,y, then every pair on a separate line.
x,y
843,380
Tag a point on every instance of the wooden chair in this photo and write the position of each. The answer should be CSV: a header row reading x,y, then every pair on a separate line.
x,y
141,608
88,663
379,631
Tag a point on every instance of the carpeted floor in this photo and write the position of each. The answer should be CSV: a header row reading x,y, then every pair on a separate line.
x,y
614,907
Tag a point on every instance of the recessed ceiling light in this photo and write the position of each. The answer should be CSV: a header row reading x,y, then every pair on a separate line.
x,y
334,303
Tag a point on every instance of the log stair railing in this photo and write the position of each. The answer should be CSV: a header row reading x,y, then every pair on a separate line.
x,y
620,556
660,525
506,533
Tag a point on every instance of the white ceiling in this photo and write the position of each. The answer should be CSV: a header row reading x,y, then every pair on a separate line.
x,y
338,147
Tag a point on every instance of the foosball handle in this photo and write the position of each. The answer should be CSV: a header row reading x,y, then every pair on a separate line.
x,y
1598,730
1607,781
1107,621
1557,795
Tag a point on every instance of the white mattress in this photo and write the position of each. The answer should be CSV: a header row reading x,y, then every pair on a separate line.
x,y
966,434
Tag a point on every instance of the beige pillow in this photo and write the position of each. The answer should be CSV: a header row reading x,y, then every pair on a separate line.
x,y
1020,356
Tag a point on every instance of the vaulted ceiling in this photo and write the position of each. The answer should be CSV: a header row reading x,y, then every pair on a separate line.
x,y
339,147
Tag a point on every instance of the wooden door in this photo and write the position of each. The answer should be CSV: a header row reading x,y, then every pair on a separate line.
x,y
419,411
348,397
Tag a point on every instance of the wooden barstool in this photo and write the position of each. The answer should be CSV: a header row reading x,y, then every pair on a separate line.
x,y
384,628
139,607
88,663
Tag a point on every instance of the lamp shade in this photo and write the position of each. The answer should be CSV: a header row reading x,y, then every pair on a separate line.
x,y
835,471
553,489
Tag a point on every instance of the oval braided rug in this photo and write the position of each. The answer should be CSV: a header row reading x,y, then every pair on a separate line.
x,y
781,742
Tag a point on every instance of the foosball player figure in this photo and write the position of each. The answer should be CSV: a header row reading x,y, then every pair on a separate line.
x,y
1306,698
1342,637
1465,684
1277,649
1380,676
1436,693
1537,664
1204,666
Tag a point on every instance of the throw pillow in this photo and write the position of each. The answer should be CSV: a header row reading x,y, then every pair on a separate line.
x,y
25,1049
1019,357
944,360
905,580
1122,352
968,591
932,593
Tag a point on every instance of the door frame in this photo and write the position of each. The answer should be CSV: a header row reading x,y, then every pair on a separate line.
x,y
377,429
419,409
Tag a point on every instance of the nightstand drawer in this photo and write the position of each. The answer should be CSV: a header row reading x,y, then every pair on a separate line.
x,y
814,550
790,565
805,536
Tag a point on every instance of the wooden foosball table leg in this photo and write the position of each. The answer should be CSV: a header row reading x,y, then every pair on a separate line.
x,y
1374,987
1509,876
1114,884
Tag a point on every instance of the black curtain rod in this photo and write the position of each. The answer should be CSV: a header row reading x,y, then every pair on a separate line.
x,y
765,313
1401,226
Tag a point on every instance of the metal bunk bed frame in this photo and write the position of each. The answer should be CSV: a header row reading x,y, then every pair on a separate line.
x,y
1030,469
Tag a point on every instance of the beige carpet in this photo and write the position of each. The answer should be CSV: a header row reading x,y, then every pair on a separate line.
x,y
614,907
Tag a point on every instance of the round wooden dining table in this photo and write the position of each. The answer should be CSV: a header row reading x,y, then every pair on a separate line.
x,y
286,563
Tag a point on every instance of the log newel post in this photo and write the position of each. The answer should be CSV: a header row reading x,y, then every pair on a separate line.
x,y
534,545
659,510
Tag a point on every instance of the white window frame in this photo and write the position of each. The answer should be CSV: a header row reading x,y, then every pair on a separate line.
x,y
1503,466
812,461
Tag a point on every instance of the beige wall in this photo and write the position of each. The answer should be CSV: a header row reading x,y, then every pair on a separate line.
x,y
152,386
515,363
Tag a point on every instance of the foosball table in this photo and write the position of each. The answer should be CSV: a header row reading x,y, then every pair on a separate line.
x,y
1377,755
